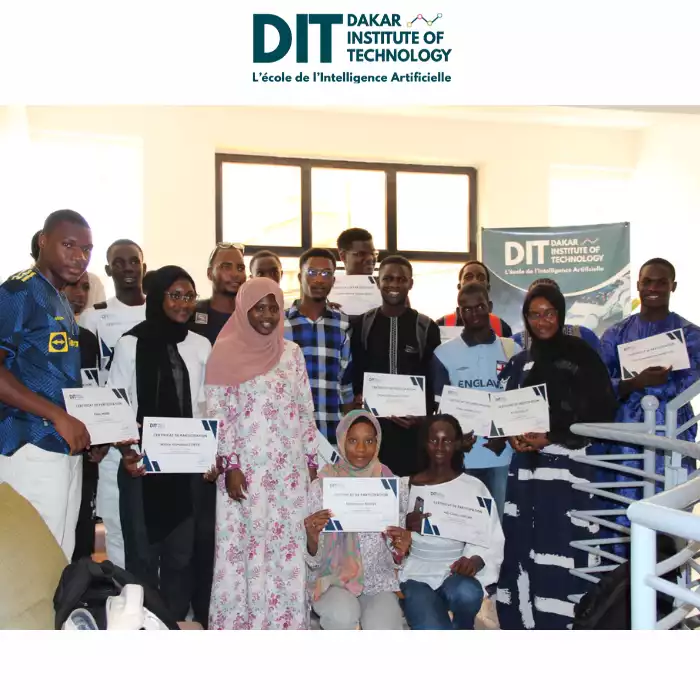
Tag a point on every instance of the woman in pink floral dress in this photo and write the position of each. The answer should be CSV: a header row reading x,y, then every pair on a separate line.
x,y
258,388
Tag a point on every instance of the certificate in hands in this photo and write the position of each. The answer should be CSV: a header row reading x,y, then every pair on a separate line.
x,y
361,504
472,408
105,412
457,513
663,350
179,445
356,294
387,395
520,411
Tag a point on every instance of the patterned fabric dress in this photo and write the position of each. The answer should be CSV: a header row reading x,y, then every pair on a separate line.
x,y
260,572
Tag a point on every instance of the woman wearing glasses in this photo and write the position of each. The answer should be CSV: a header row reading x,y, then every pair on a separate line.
x,y
535,583
162,367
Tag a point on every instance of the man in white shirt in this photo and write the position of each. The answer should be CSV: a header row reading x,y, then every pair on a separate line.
x,y
109,321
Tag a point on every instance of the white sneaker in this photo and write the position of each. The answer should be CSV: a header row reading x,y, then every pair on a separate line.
x,y
80,619
126,611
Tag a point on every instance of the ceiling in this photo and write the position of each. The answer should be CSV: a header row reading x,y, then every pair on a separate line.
x,y
664,109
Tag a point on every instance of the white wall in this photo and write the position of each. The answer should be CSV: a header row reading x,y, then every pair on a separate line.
x,y
666,222
179,144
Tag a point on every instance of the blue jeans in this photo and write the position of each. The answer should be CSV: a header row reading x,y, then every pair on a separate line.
x,y
426,609
495,480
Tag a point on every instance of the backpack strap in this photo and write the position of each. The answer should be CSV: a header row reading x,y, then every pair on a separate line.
x,y
496,324
367,321
422,326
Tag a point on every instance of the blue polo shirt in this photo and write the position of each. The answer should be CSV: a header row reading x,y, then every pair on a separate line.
x,y
473,367
40,335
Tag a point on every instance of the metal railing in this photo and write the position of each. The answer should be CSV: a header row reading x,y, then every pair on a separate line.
x,y
665,512
674,472
647,479
655,513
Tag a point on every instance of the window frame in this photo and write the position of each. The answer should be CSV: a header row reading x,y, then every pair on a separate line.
x,y
306,165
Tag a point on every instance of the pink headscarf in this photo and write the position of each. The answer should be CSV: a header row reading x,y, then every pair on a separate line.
x,y
240,352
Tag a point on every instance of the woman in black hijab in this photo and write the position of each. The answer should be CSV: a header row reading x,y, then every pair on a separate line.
x,y
162,365
535,583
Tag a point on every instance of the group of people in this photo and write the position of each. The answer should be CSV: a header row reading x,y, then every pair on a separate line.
x,y
246,545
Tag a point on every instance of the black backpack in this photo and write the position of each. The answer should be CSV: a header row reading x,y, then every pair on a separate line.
x,y
87,584
608,605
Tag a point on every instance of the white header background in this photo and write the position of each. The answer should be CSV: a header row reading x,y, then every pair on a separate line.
x,y
505,52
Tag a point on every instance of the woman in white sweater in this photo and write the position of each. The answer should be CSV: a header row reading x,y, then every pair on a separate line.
x,y
442,575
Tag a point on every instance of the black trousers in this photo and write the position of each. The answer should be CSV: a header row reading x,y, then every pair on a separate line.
x,y
85,527
204,501
166,565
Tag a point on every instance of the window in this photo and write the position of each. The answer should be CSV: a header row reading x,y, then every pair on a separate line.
x,y
342,199
432,211
261,204
426,213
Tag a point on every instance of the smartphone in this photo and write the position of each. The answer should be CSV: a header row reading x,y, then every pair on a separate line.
x,y
420,504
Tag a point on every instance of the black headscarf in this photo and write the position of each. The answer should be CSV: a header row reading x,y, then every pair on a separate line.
x,y
579,389
163,391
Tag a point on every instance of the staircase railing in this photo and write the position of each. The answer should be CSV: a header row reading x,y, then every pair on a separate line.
x,y
601,559
667,514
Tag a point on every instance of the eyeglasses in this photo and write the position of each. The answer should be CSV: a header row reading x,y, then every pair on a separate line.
x,y
187,298
549,314
225,246
324,274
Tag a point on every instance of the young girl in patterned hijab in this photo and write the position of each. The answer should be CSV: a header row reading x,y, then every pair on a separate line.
x,y
352,579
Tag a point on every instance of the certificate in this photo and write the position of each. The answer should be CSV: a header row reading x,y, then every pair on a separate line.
x,y
179,445
457,513
472,408
361,504
94,376
111,327
398,395
520,411
105,412
355,294
663,350
327,454
450,333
